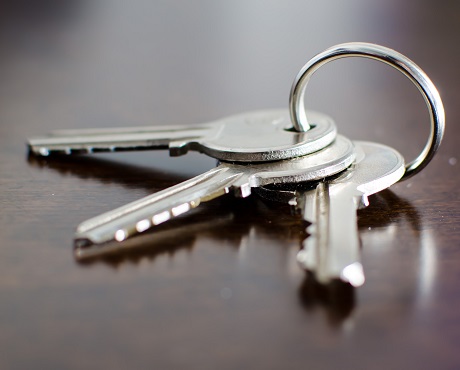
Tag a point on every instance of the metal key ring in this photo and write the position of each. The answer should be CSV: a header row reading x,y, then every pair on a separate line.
x,y
393,59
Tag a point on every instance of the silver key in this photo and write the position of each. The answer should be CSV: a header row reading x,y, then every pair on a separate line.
x,y
250,137
141,215
332,251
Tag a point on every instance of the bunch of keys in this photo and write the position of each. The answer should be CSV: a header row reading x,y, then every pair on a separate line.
x,y
269,151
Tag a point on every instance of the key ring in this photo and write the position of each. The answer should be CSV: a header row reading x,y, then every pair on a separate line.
x,y
391,58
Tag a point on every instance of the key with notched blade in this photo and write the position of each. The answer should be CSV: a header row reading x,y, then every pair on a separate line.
x,y
332,251
249,137
141,215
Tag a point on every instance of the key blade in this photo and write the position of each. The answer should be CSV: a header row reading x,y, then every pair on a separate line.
x,y
343,245
155,242
313,205
139,216
120,139
333,249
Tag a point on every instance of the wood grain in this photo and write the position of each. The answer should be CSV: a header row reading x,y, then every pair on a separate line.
x,y
219,288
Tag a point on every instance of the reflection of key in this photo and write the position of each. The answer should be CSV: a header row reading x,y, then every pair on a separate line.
x,y
250,137
143,214
332,250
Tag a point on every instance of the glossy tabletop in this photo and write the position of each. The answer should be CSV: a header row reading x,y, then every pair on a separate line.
x,y
220,288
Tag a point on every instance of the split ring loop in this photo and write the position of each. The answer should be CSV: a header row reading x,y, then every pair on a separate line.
x,y
393,59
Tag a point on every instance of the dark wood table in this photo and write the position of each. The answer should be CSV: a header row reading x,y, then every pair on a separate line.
x,y
220,288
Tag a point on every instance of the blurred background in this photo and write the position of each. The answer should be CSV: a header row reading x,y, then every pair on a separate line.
x,y
110,63
220,289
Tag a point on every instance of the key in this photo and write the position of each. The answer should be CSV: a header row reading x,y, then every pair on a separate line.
x,y
250,137
332,250
139,216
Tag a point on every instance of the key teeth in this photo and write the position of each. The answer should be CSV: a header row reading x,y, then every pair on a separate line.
x,y
302,258
48,152
307,256
85,236
178,148
311,229
242,191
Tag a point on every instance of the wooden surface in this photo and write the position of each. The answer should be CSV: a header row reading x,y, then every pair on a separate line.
x,y
220,288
